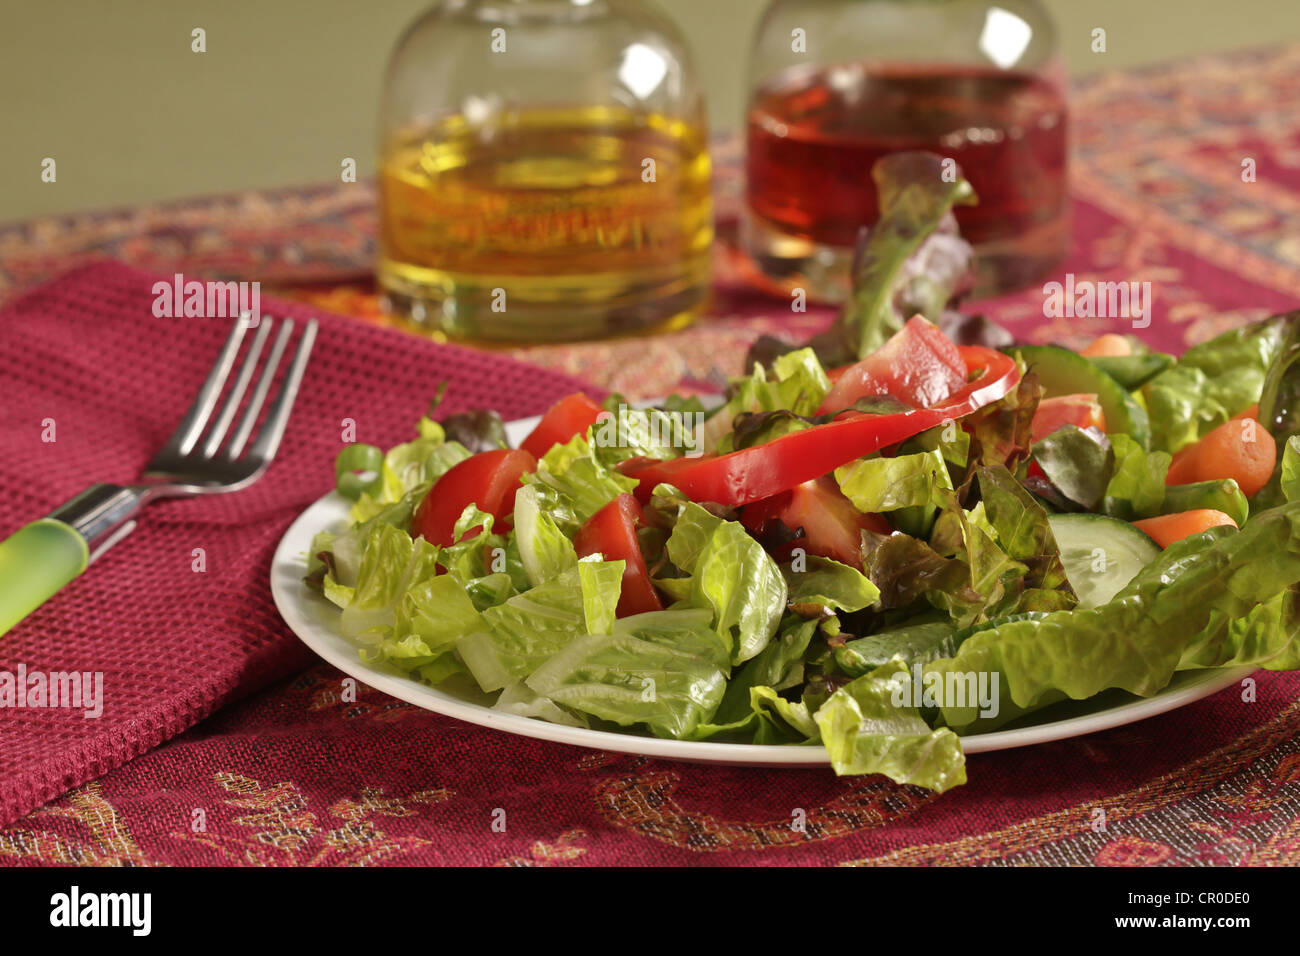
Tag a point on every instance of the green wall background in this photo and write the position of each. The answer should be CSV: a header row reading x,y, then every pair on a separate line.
x,y
288,87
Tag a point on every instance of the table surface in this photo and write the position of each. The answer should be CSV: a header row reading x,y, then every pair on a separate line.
x,y
302,774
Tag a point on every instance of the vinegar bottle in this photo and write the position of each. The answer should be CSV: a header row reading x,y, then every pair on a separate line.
x,y
836,84
544,172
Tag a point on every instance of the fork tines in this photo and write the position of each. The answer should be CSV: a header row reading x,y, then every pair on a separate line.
x,y
201,435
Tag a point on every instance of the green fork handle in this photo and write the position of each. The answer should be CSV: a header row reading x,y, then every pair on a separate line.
x,y
35,563
40,559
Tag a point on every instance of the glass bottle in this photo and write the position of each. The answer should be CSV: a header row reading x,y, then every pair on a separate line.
x,y
544,172
836,84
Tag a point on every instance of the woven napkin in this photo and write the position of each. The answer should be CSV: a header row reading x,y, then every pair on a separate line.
x,y
178,632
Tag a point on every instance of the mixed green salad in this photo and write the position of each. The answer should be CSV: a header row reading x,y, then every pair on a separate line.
x,y
909,530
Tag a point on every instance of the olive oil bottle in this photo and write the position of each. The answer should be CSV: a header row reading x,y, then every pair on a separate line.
x,y
546,199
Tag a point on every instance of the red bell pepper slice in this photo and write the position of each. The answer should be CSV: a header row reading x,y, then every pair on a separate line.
x,y
751,474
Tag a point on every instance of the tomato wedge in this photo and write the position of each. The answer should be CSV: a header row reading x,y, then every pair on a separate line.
x,y
570,416
611,533
488,479
1053,413
832,526
751,474
919,365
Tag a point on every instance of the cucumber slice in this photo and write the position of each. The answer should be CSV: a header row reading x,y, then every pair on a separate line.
x,y
1063,372
1133,371
1100,554
1223,496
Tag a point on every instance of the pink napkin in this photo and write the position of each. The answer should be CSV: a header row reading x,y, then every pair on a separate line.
x,y
85,357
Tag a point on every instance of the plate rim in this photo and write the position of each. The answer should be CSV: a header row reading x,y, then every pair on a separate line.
x,y
291,599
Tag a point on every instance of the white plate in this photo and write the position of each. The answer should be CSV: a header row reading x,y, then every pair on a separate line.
x,y
315,622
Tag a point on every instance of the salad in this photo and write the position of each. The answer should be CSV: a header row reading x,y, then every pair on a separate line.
x,y
909,530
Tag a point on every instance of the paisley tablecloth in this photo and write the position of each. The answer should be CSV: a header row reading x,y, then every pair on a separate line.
x,y
1186,176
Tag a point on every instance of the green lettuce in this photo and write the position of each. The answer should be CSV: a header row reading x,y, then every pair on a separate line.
x,y
1263,635
993,580
781,721
1137,487
521,634
1135,642
796,384
431,618
518,698
544,550
828,583
665,670
584,483
778,666
891,282
865,730
391,563
1020,527
1290,469
1078,462
661,433
731,575
1213,381
888,484
343,551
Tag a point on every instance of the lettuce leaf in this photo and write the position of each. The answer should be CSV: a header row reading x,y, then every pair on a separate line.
x,y
1021,528
666,672
473,555
600,581
912,260
1137,488
1078,462
661,433
1265,633
1213,381
520,635
797,384
888,484
778,666
994,580
781,721
544,550
391,564
344,549
431,617
829,584
518,698
731,575
1136,641
1289,474
865,731
584,483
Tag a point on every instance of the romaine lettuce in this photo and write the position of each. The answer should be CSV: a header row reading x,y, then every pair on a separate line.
x,y
731,575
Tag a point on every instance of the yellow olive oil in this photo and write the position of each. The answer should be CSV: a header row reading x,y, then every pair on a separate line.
x,y
547,224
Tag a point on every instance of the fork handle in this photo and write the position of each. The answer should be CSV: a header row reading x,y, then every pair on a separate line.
x,y
40,559
35,562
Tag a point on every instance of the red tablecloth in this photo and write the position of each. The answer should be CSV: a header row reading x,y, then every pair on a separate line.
x,y
295,775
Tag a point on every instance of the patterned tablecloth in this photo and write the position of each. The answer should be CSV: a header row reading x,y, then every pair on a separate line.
x,y
300,775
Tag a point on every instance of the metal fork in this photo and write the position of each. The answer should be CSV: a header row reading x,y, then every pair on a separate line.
x,y
203,456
